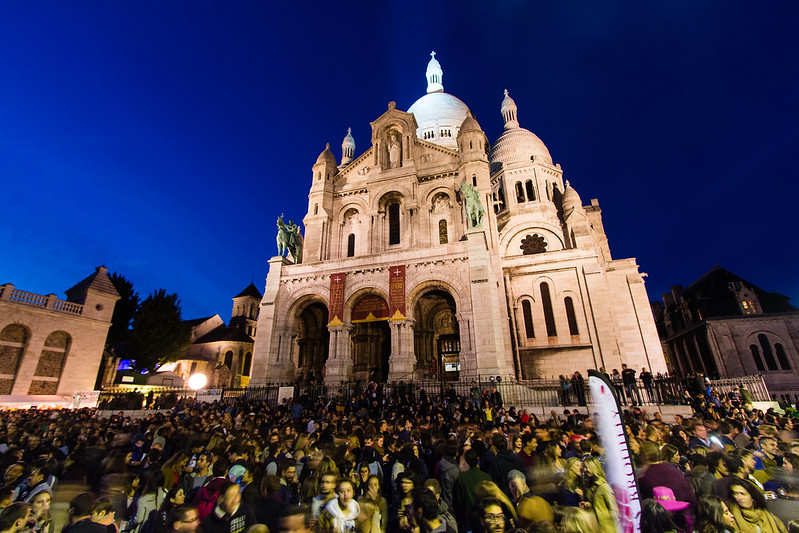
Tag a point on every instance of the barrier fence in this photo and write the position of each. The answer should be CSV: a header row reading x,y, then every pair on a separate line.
x,y
522,394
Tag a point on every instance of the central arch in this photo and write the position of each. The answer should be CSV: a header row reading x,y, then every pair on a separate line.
x,y
370,341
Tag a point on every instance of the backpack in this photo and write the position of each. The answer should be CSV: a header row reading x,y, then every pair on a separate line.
x,y
206,499
155,522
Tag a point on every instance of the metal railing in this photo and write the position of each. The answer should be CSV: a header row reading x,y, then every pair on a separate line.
x,y
521,394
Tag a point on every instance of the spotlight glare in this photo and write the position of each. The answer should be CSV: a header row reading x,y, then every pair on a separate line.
x,y
197,381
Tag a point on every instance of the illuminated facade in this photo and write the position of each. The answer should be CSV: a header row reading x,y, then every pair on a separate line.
x,y
396,284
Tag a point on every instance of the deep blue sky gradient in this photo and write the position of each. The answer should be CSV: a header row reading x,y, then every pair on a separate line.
x,y
163,138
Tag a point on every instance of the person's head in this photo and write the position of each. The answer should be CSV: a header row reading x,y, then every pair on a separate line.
x,y
81,505
295,519
15,517
425,504
182,519
229,497
6,497
203,462
769,445
406,482
491,515
363,472
288,470
327,483
345,489
655,518
176,496
13,473
103,510
699,430
517,483
373,486
40,504
746,495
433,486
577,520
713,514
592,471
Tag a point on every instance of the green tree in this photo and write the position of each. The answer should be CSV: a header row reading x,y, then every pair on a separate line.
x,y
124,310
158,334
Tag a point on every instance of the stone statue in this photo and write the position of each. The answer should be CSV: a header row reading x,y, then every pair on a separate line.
x,y
394,150
474,207
289,239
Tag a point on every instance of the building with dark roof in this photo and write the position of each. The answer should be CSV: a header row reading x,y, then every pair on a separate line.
x,y
223,352
54,347
725,326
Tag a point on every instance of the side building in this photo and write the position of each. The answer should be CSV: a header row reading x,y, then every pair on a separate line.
x,y
432,255
724,326
50,346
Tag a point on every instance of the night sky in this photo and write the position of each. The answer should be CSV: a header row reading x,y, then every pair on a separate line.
x,y
163,138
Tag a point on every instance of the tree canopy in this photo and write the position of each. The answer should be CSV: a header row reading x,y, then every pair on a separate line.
x,y
124,310
158,334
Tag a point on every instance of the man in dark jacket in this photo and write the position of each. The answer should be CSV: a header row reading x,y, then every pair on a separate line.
x,y
230,514
505,461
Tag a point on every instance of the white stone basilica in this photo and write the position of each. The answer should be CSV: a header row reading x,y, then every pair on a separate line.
x,y
396,283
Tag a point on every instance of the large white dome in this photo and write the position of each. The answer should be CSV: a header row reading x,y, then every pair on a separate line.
x,y
439,117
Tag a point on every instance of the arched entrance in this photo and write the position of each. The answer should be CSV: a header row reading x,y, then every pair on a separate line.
x,y
312,342
436,336
370,341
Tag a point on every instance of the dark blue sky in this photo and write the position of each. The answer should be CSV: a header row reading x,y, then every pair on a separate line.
x,y
163,139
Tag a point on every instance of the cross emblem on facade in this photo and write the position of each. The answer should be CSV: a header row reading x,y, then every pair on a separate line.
x,y
336,279
397,272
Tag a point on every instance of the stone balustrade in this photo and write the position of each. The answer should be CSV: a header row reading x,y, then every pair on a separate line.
x,y
49,301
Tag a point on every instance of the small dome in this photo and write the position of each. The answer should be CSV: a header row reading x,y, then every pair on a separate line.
x,y
326,156
435,75
470,124
570,197
437,112
516,144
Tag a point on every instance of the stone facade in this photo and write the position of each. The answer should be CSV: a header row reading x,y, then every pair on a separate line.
x,y
724,326
50,346
433,255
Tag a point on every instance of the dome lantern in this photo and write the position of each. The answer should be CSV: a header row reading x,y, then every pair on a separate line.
x,y
348,148
508,111
434,75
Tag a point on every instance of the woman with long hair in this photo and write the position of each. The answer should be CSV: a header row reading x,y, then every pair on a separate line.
x,y
374,496
713,516
151,498
597,491
403,498
577,520
748,506
655,518
173,469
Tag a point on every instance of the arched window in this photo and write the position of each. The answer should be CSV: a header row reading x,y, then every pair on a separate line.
x,y
245,371
519,192
474,179
549,317
756,356
782,356
229,359
527,313
442,232
351,245
51,363
570,316
315,209
528,186
394,223
13,341
768,355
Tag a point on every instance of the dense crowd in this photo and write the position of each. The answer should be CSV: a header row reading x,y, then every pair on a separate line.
x,y
409,462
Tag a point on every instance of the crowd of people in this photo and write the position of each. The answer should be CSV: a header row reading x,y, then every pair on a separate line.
x,y
409,462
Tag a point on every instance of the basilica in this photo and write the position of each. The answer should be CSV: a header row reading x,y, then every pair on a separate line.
x,y
435,254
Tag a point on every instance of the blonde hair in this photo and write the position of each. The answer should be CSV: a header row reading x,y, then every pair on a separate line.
x,y
577,520
489,489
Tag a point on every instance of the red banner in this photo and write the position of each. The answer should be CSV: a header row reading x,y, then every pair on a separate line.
x,y
370,308
396,292
336,312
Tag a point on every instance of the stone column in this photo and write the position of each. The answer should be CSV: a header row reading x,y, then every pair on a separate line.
x,y
283,367
339,359
403,359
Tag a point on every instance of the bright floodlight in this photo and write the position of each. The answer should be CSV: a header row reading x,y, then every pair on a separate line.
x,y
197,381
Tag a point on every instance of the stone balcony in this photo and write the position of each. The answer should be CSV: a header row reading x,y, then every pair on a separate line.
x,y
10,294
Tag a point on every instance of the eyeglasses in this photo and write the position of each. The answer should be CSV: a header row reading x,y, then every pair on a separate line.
x,y
494,518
